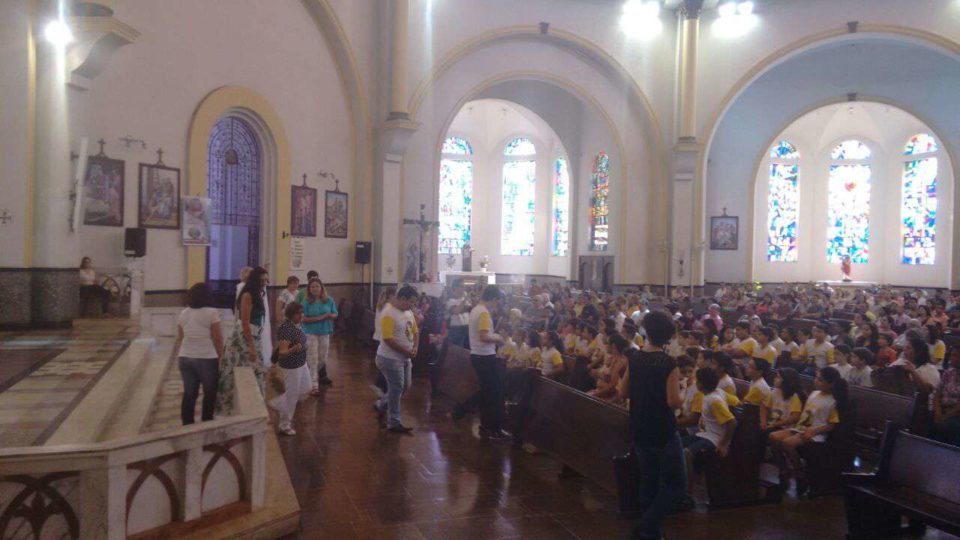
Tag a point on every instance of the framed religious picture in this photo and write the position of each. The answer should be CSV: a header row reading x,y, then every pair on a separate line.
x,y
303,211
159,197
103,192
724,232
335,215
197,230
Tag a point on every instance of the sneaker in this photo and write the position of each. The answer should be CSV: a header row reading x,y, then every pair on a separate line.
x,y
400,428
287,431
326,381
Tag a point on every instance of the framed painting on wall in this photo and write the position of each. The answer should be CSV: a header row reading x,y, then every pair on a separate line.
x,y
103,185
197,230
159,197
335,215
303,215
724,232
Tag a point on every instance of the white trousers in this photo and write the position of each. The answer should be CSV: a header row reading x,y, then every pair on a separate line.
x,y
317,349
297,383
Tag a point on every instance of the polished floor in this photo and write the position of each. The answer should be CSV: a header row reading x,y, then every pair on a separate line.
x,y
355,480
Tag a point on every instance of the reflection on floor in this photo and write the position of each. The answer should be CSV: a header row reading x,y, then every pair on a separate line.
x,y
46,374
354,480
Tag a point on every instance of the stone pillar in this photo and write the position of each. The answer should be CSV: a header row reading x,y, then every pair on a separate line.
x,y
684,255
398,60
56,247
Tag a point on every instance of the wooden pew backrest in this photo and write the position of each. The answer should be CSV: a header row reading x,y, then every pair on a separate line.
x,y
925,465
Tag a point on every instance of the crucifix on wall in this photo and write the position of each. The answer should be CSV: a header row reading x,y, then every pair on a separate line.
x,y
414,254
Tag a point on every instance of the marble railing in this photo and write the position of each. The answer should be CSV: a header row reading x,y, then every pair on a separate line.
x,y
155,483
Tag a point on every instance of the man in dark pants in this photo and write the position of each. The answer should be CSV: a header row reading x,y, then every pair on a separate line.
x,y
458,310
490,369
652,385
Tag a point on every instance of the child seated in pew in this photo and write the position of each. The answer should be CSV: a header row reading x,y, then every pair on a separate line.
x,y
717,426
759,392
789,337
587,335
726,338
886,354
609,379
765,350
820,415
860,372
786,400
529,354
569,335
723,365
743,346
841,355
551,359
509,348
817,352
629,333
686,418
777,343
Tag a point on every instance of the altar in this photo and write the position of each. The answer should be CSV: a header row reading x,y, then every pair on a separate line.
x,y
468,278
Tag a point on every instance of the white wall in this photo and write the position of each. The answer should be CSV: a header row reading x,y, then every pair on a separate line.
x,y
14,142
187,49
885,129
488,124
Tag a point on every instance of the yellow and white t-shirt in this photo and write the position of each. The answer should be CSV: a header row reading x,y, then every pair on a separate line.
x,y
689,393
479,321
748,345
531,356
550,361
758,394
727,385
508,350
820,355
714,414
938,351
696,404
570,341
793,349
781,408
820,410
768,353
399,325
778,345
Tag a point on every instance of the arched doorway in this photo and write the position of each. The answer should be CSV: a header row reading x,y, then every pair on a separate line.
x,y
235,187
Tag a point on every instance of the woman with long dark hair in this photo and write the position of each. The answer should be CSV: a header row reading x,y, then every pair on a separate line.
x,y
869,333
199,347
243,347
90,285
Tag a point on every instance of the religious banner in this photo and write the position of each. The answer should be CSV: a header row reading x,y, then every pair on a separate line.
x,y
103,192
196,221
158,197
296,254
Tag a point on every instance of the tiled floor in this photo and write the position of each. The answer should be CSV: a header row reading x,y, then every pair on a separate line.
x,y
33,407
355,480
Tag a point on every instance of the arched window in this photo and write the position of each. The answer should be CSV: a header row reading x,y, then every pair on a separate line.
x,y
783,203
561,208
456,194
517,230
918,203
599,205
848,203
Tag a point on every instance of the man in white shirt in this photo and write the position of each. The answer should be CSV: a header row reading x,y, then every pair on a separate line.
x,y
490,369
400,335
458,309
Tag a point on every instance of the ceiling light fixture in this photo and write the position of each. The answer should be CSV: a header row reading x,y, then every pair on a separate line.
x,y
641,18
735,20
58,33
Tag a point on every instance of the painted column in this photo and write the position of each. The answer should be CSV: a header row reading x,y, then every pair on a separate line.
x,y
398,60
56,253
683,257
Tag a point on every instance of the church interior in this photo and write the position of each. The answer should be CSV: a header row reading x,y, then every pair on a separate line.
x,y
526,206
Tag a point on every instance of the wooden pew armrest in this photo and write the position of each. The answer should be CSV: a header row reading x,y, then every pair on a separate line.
x,y
859,479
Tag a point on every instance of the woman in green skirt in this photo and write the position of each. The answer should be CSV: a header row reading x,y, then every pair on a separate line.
x,y
243,346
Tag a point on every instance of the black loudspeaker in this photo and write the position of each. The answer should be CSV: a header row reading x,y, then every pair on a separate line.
x,y
135,242
361,254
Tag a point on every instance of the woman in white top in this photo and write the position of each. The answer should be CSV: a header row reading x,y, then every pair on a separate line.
x,y
199,345
916,360
386,296
90,285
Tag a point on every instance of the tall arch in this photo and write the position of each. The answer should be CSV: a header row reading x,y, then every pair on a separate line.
x,y
257,112
801,50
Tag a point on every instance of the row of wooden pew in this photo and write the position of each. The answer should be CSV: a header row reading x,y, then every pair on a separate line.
x,y
588,435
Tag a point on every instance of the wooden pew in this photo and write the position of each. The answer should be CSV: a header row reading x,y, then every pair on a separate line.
x,y
875,408
826,461
583,432
917,478
734,480
453,374
578,373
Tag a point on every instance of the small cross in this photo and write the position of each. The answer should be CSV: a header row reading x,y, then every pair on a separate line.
x,y
336,185
101,142
304,179
5,217
159,156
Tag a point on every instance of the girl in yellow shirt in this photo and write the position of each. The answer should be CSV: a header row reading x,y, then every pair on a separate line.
x,y
782,409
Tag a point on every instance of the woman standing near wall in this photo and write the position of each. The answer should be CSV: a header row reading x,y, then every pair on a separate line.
x,y
319,312
243,348
386,296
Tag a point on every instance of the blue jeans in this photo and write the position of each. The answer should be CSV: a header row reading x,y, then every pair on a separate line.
x,y
663,481
698,445
399,377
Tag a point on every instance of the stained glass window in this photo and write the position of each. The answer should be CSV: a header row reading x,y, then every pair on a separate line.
x,y
848,213
784,150
561,208
456,195
850,150
918,203
456,145
519,195
599,205
520,146
783,212
921,143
